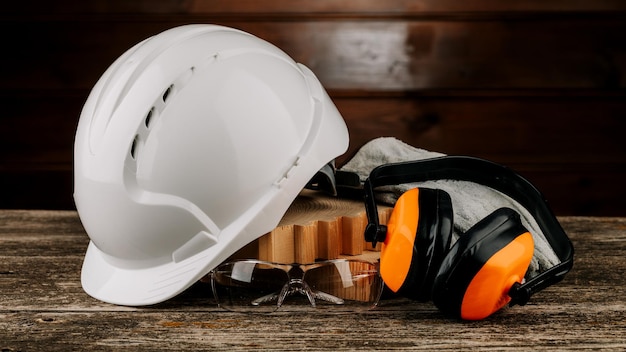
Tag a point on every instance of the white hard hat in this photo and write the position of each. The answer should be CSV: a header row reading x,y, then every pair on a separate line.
x,y
191,145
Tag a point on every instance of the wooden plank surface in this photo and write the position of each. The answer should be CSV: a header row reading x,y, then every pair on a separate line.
x,y
315,7
43,308
570,147
538,86
367,54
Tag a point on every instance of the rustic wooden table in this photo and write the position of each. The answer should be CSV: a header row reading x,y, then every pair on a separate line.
x,y
43,308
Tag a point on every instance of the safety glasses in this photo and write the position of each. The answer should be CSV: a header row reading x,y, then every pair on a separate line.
x,y
258,286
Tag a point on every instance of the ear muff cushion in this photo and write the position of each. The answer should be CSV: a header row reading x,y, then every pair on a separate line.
x,y
442,230
434,234
418,236
472,251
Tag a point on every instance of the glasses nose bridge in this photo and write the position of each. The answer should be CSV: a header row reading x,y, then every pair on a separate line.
x,y
296,284
295,274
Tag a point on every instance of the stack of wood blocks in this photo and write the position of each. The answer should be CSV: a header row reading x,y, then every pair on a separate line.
x,y
317,227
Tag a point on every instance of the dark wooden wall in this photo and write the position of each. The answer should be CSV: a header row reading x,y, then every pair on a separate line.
x,y
537,85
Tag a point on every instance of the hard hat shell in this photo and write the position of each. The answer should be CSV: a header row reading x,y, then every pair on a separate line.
x,y
192,144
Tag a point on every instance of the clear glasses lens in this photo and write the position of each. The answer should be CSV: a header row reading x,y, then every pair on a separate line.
x,y
256,286
248,285
352,284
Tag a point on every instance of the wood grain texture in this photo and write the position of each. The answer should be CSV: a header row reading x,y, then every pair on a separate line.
x,y
368,54
43,308
317,8
538,86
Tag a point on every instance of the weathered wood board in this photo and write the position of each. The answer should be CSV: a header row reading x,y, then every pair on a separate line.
x,y
43,308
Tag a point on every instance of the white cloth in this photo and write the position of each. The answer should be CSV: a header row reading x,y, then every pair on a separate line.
x,y
471,201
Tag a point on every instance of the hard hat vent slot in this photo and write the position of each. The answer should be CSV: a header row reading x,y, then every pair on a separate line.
x,y
133,147
167,92
148,118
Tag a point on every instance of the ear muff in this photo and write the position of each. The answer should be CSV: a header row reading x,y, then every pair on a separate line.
x,y
478,272
419,232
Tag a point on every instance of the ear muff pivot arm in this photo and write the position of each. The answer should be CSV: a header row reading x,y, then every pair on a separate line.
x,y
488,174
374,231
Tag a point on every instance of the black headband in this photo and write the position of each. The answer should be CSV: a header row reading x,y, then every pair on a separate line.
x,y
487,174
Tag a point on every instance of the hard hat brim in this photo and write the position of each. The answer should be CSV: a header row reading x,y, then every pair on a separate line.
x,y
137,287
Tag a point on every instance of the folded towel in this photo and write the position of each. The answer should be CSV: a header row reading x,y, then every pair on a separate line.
x,y
471,201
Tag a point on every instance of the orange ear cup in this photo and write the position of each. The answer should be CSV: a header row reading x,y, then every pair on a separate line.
x,y
419,232
397,250
488,290
474,279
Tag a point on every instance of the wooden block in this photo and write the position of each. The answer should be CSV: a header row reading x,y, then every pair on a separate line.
x,y
278,245
329,239
305,243
352,234
316,226
368,256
